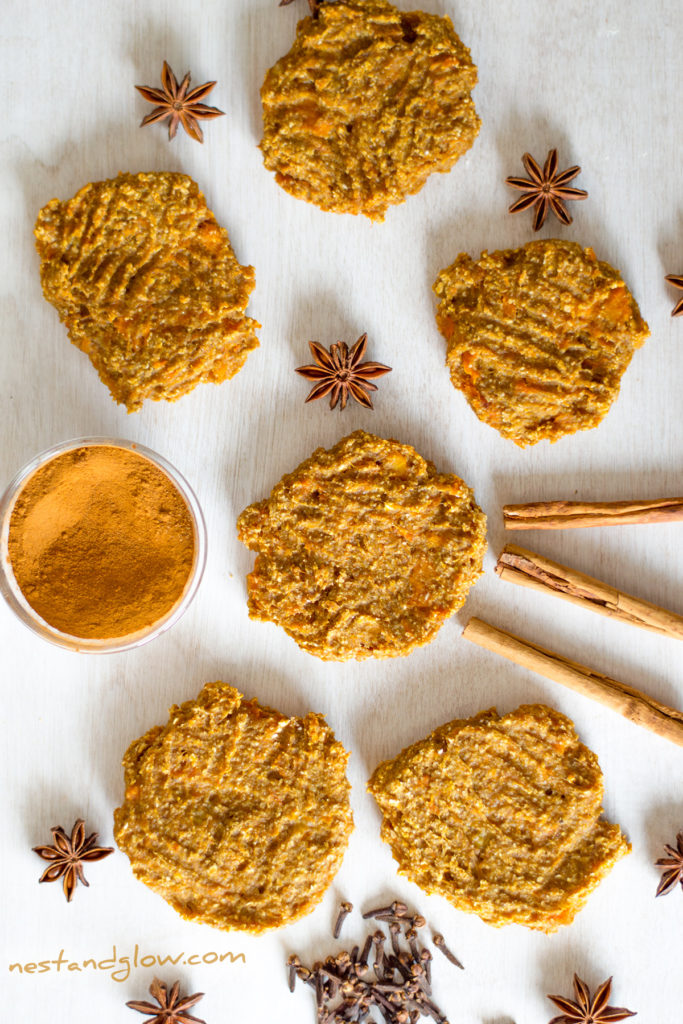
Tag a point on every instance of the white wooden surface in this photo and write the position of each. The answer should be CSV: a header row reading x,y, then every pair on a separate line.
x,y
603,83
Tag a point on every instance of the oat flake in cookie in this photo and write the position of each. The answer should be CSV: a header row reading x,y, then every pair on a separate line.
x,y
364,550
538,338
238,816
502,816
147,284
366,105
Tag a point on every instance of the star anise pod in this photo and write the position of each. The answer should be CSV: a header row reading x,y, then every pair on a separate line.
x,y
545,189
677,282
585,1010
67,855
171,1005
342,373
673,864
175,102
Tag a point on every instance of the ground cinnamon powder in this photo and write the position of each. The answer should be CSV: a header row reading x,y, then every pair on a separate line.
x,y
101,542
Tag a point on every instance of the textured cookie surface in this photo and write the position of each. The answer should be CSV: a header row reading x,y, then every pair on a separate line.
x,y
364,550
238,816
366,105
502,816
538,338
147,284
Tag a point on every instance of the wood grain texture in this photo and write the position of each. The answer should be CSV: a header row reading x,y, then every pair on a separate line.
x,y
601,83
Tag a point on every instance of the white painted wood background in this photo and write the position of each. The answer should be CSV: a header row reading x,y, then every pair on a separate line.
x,y
601,82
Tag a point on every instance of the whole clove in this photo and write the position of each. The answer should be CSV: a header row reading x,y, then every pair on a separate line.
x,y
438,941
395,909
344,910
292,963
411,936
395,929
397,985
426,958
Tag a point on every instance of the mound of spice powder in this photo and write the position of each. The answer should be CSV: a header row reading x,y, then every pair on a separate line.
x,y
101,542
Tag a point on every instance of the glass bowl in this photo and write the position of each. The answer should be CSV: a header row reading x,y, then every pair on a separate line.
x,y
13,595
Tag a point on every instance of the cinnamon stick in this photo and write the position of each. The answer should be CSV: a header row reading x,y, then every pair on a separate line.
x,y
634,705
568,515
517,565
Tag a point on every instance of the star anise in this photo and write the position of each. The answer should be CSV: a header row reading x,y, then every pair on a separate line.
x,y
176,103
68,854
341,372
171,1005
673,864
585,1010
545,189
677,282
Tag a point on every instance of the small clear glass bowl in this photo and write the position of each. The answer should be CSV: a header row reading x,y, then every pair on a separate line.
x,y
13,595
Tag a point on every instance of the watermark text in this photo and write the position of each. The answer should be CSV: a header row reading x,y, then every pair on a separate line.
x,y
119,966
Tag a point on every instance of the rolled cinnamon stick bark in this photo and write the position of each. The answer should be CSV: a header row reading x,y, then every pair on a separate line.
x,y
527,569
634,705
568,515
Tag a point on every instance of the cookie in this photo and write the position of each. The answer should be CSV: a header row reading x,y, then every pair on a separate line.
x,y
366,105
502,816
147,284
364,550
238,816
538,338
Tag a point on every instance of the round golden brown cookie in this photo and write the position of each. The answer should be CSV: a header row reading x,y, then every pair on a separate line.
x,y
364,550
367,104
147,284
501,816
237,816
538,338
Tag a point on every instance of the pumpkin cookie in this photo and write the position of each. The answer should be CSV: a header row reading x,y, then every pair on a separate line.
x,y
147,284
367,104
364,550
501,816
237,816
538,338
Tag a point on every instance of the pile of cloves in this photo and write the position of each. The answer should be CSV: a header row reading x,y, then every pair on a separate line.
x,y
383,976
